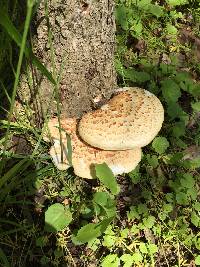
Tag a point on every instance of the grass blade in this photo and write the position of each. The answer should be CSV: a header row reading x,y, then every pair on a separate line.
x,y
4,259
16,36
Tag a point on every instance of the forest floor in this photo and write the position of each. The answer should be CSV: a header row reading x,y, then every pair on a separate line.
x,y
154,220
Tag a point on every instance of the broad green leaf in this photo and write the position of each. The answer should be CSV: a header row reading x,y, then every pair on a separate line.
x,y
192,193
127,259
181,198
133,213
57,217
167,208
124,233
142,3
111,260
137,257
197,206
143,248
109,241
152,248
170,90
149,221
196,106
142,209
172,30
106,202
197,260
135,176
195,219
155,10
94,244
136,29
121,17
105,175
177,2
178,129
187,181
195,90
101,198
152,160
136,76
92,230
160,144
174,110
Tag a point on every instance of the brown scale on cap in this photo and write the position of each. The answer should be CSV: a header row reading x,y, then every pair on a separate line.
x,y
84,156
132,118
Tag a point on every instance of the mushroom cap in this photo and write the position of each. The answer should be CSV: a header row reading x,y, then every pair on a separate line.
x,y
52,131
84,156
132,118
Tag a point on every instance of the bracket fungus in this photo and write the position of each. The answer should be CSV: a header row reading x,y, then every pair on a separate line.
x,y
85,156
132,118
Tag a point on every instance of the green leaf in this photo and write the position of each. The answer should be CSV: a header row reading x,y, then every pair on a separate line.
x,y
92,230
177,2
197,260
57,217
172,30
136,30
195,90
111,260
143,248
149,221
174,110
136,76
178,129
42,241
109,241
187,181
127,259
142,3
197,206
193,193
152,248
135,176
170,90
104,200
196,106
167,208
105,175
152,160
137,257
133,214
155,10
142,209
101,198
121,16
181,198
160,144
94,244
195,219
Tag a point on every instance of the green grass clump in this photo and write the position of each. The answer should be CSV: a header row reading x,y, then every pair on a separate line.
x,y
149,217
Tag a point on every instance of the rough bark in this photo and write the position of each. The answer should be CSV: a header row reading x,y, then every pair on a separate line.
x,y
83,53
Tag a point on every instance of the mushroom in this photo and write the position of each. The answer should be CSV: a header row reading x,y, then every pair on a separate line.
x,y
84,157
132,118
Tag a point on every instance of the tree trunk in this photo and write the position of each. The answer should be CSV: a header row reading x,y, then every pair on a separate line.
x,y
74,39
